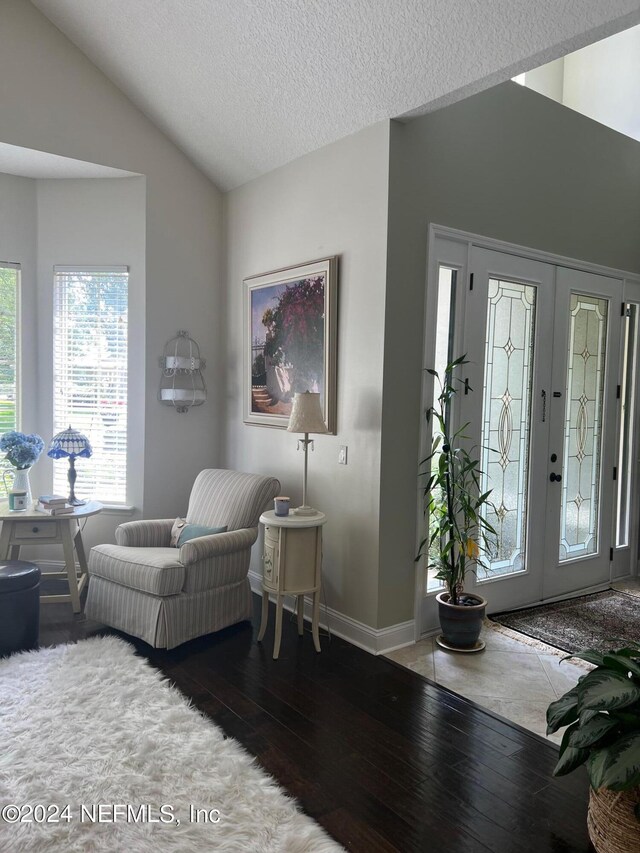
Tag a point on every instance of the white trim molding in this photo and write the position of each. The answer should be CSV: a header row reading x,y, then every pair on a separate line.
x,y
469,239
376,641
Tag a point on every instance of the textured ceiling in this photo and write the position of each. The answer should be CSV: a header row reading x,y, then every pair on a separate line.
x,y
244,86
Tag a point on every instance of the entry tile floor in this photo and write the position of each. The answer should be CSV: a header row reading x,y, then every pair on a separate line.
x,y
510,678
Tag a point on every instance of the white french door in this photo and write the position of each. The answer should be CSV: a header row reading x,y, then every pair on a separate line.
x,y
509,315
583,432
542,403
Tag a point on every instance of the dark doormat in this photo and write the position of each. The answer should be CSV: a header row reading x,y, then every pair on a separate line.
x,y
603,621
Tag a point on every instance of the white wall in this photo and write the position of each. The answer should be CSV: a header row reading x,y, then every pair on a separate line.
x,y
53,99
48,222
93,222
18,244
330,202
602,81
547,80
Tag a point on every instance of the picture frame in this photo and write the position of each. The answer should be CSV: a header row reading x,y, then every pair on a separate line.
x,y
290,341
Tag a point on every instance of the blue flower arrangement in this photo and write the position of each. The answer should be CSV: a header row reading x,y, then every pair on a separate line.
x,y
20,449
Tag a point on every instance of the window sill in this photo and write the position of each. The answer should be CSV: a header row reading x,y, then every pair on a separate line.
x,y
117,509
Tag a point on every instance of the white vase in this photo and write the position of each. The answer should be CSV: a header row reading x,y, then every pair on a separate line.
x,y
20,483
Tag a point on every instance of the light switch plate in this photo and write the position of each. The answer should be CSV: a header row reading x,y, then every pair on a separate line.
x,y
342,455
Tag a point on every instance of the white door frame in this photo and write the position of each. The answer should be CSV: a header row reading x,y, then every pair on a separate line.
x,y
458,245
626,557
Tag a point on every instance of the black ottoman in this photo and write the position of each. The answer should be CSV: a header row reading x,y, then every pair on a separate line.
x,y
19,606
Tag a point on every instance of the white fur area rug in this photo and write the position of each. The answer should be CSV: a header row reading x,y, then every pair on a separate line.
x,y
94,727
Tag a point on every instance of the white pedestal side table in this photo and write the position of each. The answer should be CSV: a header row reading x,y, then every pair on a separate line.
x,y
37,528
292,565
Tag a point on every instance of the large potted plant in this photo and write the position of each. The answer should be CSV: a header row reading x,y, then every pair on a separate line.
x,y
602,716
458,535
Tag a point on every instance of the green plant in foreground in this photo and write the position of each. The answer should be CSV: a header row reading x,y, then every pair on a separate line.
x,y
602,713
458,534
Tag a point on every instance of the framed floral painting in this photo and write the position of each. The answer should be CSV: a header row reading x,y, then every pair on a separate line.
x,y
290,341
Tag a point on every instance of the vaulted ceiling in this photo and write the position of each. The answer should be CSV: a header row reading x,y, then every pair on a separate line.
x,y
244,86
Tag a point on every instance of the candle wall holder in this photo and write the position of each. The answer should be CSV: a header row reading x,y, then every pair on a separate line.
x,y
182,384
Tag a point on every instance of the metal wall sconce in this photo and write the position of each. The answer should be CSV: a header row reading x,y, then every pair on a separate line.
x,y
182,384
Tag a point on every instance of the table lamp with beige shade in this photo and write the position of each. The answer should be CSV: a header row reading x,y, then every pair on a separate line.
x,y
306,417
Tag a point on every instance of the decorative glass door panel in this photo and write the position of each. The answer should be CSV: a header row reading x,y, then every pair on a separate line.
x,y
579,514
508,313
506,420
583,409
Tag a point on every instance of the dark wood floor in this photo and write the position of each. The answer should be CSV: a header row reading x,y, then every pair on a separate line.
x,y
382,758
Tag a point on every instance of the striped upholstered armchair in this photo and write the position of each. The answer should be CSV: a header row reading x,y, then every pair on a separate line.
x,y
167,595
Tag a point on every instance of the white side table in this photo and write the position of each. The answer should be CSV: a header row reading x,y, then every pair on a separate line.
x,y
37,528
292,565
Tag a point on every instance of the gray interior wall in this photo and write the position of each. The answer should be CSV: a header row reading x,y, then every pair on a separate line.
x,y
53,99
509,164
330,202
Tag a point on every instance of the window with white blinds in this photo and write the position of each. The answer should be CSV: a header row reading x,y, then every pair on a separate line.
x,y
9,324
90,339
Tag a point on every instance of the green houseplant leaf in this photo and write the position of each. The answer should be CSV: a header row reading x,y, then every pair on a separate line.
x,y
622,660
569,760
563,711
589,733
621,663
602,713
585,716
459,535
589,655
621,769
605,690
595,767
628,652
570,757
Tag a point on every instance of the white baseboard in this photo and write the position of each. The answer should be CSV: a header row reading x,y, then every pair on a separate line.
x,y
377,641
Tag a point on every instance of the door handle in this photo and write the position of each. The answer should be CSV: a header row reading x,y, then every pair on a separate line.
x,y
555,478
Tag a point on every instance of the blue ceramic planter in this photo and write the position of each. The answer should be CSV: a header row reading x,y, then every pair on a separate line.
x,y
461,623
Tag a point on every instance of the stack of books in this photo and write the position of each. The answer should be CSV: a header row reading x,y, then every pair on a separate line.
x,y
54,505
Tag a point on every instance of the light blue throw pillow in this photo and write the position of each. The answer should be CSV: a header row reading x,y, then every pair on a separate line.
x,y
193,531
